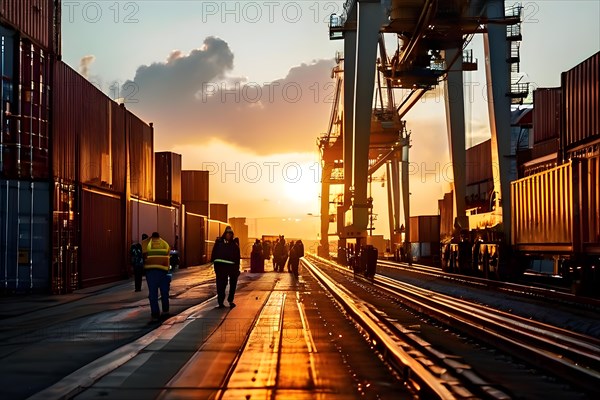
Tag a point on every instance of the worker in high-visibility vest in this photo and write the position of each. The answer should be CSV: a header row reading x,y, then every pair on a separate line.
x,y
226,259
156,266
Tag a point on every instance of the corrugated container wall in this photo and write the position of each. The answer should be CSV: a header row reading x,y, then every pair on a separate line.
x,y
102,238
35,19
141,157
446,209
581,102
89,135
194,246
425,229
194,186
24,228
168,178
218,212
479,163
546,114
25,96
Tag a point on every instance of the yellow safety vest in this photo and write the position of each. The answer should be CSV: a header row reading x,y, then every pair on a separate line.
x,y
157,254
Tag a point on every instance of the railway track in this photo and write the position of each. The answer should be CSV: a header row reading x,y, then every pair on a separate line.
x,y
571,356
545,293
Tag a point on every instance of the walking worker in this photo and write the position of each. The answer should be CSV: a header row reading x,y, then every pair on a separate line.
x,y
156,256
226,259
296,253
137,262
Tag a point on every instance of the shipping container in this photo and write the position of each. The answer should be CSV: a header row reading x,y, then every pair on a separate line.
x,y
543,205
218,212
89,133
65,238
141,157
581,103
103,255
35,19
149,217
425,229
446,210
479,163
214,230
25,94
195,236
194,187
197,207
546,148
546,114
25,229
168,178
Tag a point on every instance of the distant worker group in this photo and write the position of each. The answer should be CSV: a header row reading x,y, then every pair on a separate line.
x,y
283,253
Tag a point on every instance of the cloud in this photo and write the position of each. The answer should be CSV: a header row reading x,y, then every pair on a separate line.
x,y
84,65
193,98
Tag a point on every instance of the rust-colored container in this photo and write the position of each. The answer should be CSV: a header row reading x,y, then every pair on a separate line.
x,y
425,229
218,212
141,157
446,209
168,178
34,19
194,187
542,205
197,207
581,103
479,163
25,110
103,257
545,148
195,236
546,114
89,133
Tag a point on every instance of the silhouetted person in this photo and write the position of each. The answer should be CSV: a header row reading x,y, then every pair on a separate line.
x,y
296,253
226,259
256,258
137,262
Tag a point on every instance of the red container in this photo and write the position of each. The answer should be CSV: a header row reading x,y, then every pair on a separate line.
x,y
546,114
141,157
194,187
479,163
195,233
545,148
65,239
103,257
168,178
581,103
25,116
34,19
89,135
218,212
446,210
197,207
425,229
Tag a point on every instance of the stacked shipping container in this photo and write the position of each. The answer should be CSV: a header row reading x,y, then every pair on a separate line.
x,y
546,121
581,105
27,38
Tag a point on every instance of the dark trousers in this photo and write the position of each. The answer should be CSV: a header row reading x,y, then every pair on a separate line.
x,y
157,279
138,271
294,264
226,273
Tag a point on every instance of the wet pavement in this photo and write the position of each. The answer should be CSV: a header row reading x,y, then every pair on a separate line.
x,y
44,338
285,339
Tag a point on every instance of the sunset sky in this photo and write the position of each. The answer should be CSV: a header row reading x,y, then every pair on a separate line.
x,y
243,89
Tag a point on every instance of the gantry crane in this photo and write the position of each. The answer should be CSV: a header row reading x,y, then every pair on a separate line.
x,y
433,35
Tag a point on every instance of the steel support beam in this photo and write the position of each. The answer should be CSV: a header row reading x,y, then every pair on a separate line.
x,y
369,21
390,198
498,86
323,250
348,109
455,122
406,192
